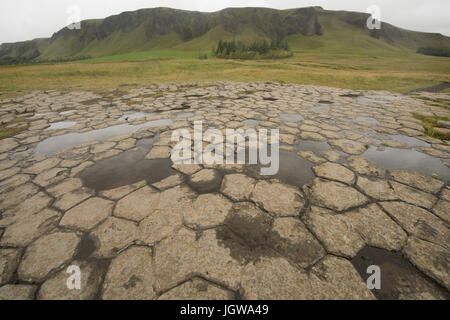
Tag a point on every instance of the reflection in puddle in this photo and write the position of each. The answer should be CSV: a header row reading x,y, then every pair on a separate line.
x,y
399,278
126,168
55,144
61,125
128,116
294,170
250,123
404,159
410,141
67,112
311,145
288,117
325,108
184,115
366,119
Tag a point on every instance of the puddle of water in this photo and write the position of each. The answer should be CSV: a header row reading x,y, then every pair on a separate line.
x,y
250,122
294,170
311,145
55,144
324,108
126,168
67,112
128,116
399,278
184,115
288,117
404,159
410,141
366,119
61,125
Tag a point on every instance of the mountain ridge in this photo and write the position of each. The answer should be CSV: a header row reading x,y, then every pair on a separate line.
x,y
165,28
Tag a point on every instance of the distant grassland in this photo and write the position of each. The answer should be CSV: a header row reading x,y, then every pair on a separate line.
x,y
393,71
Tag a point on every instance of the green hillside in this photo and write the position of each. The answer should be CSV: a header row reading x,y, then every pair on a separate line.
x,y
307,30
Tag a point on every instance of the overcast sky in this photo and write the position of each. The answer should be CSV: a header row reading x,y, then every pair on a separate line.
x,y
28,19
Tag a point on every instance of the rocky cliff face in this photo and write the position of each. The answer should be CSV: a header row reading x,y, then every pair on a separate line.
x,y
138,28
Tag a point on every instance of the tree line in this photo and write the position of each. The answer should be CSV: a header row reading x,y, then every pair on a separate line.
x,y
226,48
439,52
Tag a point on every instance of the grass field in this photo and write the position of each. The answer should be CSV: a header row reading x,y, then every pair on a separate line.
x,y
396,71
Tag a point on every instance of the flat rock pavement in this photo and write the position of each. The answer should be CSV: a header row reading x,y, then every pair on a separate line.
x,y
88,182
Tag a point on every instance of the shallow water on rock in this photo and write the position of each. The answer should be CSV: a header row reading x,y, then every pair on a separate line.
x,y
250,122
410,141
128,116
293,170
405,159
311,145
126,168
58,143
366,119
61,125
67,112
289,117
184,115
399,278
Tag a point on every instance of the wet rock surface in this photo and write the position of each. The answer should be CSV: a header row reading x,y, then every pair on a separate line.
x,y
95,187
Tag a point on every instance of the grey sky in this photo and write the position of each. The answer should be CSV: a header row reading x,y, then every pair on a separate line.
x,y
27,19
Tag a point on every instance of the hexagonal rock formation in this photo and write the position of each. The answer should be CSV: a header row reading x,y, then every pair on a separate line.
x,y
156,230
47,254
277,198
334,195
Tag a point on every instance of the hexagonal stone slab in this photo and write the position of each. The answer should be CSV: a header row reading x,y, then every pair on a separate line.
x,y
274,279
113,235
237,186
418,180
205,181
336,279
9,260
183,254
418,221
334,231
291,238
64,187
166,214
413,196
51,176
42,166
28,207
159,152
208,210
88,214
197,289
17,292
250,223
21,233
334,195
334,171
56,288
46,254
432,259
376,188
18,195
130,276
348,146
377,228
120,192
362,166
137,205
71,199
442,209
278,198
